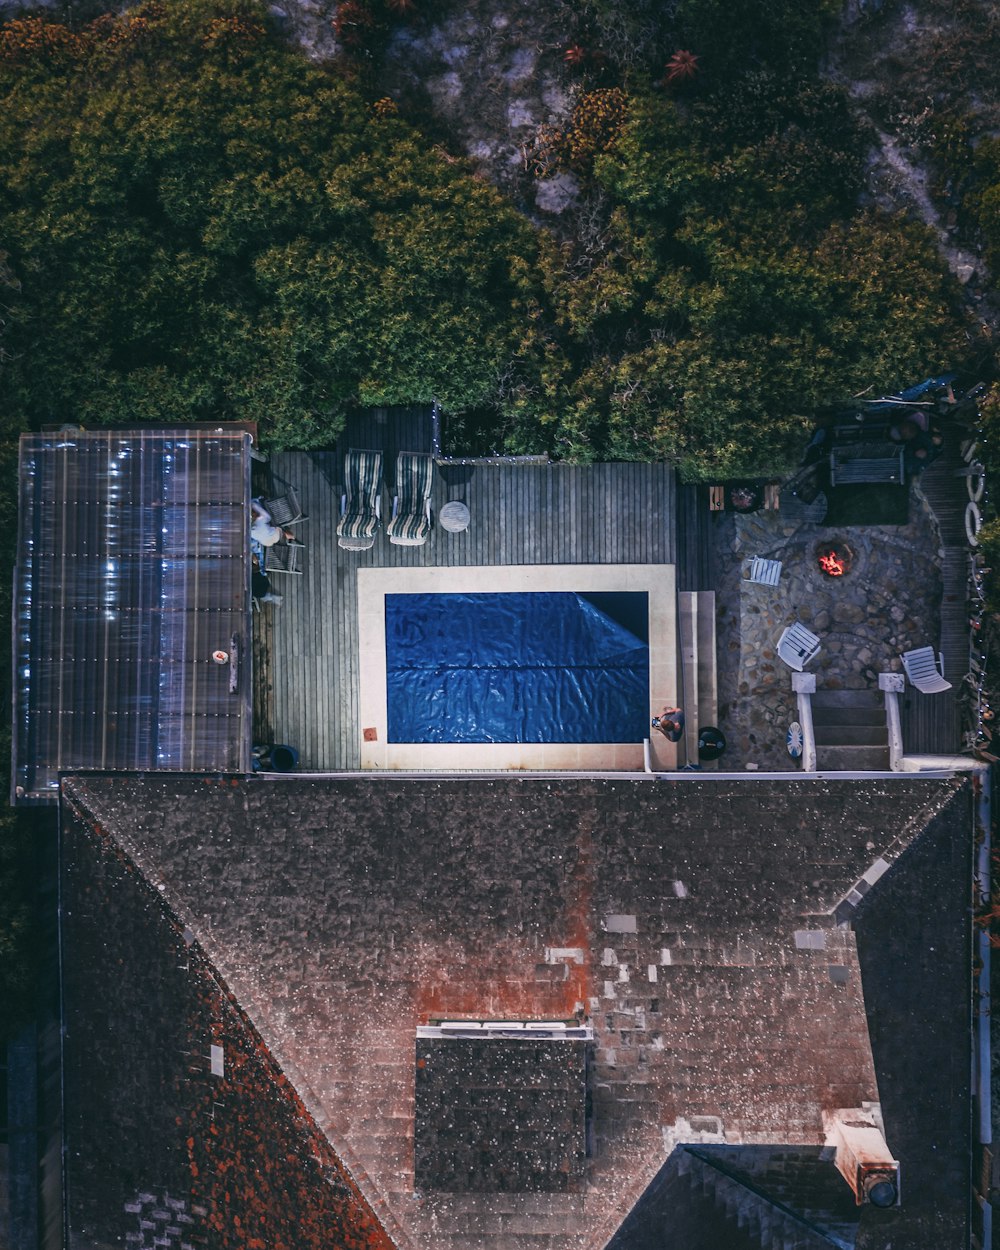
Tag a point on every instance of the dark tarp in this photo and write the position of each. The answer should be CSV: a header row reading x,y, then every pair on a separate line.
x,y
537,667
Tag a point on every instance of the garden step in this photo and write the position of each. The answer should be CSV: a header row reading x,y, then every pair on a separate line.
x,y
708,690
847,708
855,759
698,667
848,698
847,715
852,735
687,626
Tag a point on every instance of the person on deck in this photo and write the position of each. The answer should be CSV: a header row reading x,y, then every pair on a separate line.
x,y
922,443
260,583
263,529
670,723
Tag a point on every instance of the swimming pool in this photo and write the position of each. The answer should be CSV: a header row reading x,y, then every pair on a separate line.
x,y
510,667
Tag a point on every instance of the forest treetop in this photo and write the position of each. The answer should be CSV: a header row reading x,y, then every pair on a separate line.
x,y
203,225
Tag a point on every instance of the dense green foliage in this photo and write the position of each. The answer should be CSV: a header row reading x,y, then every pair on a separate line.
x,y
732,39
984,197
736,288
203,225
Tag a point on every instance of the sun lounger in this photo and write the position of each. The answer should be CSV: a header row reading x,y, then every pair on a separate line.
x,y
797,646
361,503
411,507
925,670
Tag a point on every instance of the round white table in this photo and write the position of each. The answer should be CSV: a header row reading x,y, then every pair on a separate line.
x,y
454,517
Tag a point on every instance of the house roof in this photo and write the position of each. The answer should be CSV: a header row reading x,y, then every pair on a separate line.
x,y
132,569
692,924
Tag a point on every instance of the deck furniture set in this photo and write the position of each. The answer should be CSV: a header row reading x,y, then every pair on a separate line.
x,y
361,502
798,646
284,556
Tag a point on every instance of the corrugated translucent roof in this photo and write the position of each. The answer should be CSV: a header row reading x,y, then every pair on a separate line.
x,y
133,567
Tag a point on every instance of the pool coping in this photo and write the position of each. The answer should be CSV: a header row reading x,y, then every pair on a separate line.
x,y
658,581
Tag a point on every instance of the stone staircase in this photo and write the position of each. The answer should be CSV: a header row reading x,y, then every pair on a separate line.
x,y
699,687
851,731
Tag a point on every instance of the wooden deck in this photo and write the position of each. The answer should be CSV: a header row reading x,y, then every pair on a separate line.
x,y
306,649
931,723
695,539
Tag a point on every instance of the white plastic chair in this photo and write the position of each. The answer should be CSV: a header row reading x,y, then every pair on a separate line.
x,y
797,646
765,572
925,670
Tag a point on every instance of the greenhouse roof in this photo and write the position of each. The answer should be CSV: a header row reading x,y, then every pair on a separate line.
x,y
132,604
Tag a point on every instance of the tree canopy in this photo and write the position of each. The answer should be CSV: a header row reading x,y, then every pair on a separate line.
x,y
205,225
735,289
202,224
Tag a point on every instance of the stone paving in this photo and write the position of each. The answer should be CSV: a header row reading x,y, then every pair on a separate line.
x,y
887,604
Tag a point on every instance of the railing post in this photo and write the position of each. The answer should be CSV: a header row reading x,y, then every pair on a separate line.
x,y
804,685
892,686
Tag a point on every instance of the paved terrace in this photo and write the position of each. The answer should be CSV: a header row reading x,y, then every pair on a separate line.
x,y
523,513
907,589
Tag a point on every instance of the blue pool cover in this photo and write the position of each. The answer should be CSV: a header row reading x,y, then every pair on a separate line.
x,y
542,667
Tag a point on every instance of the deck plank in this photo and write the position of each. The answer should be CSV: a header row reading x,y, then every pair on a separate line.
x,y
931,724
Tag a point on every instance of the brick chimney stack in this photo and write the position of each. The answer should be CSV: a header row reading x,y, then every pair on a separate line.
x,y
863,1158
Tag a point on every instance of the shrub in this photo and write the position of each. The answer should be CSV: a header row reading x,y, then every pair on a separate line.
x,y
593,128
222,230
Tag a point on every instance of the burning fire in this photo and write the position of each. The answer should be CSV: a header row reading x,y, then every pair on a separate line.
x,y
832,565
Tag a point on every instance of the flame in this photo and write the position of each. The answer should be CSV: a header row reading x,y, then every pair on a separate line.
x,y
832,565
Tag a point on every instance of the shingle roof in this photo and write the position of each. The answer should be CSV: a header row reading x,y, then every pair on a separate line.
x,y
692,923
500,1114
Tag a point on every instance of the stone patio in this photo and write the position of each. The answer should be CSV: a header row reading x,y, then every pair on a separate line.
x,y
888,603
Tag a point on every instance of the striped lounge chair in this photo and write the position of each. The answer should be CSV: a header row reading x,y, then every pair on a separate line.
x,y
361,503
411,508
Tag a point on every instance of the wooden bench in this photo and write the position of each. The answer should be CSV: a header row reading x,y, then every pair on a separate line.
x,y
866,463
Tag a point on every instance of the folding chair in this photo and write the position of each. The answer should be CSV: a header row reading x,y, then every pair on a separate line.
x,y
283,558
797,646
285,509
765,572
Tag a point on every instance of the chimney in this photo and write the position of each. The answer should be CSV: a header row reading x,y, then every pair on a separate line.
x,y
863,1159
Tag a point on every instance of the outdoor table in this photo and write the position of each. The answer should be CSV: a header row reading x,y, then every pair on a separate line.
x,y
454,517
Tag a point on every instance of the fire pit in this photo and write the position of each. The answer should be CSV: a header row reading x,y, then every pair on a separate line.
x,y
834,559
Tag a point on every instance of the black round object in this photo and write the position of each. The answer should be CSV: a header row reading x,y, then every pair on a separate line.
x,y
711,743
882,1194
284,759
